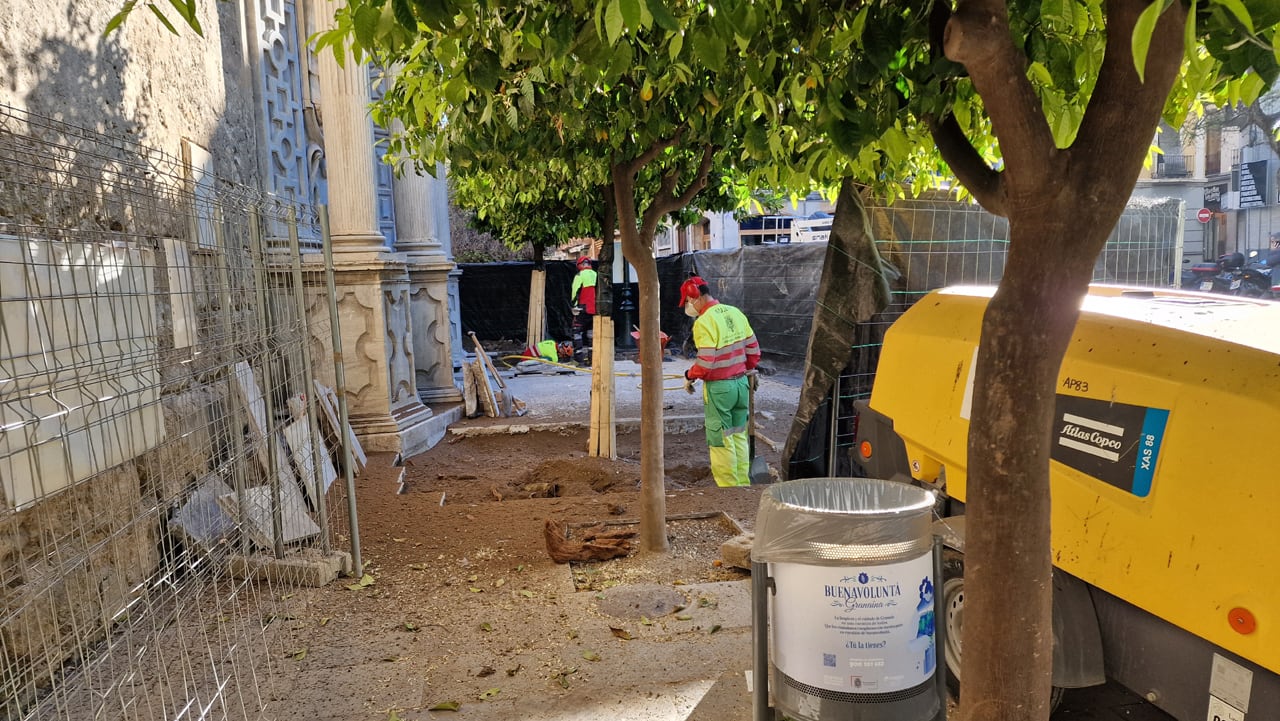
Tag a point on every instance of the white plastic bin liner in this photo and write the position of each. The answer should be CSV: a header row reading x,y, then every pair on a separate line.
x,y
833,521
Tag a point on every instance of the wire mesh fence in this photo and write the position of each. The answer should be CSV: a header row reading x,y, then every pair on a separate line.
x,y
936,243
161,437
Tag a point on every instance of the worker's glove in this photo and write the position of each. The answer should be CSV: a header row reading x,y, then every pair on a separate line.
x,y
688,385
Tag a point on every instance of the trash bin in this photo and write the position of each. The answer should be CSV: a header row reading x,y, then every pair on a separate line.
x,y
851,614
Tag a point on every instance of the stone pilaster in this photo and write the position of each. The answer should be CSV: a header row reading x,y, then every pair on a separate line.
x,y
372,283
440,196
429,266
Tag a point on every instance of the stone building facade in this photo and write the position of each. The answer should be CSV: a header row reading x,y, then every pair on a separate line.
x,y
84,515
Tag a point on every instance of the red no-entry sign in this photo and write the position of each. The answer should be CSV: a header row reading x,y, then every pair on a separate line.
x,y
1204,215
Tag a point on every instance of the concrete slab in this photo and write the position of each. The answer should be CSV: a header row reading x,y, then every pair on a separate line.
x,y
295,523
302,448
309,568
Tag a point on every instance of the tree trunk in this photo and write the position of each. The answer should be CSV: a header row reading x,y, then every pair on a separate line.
x,y
1008,643
1061,205
638,251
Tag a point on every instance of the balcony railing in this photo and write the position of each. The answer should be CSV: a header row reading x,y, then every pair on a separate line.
x,y
1173,166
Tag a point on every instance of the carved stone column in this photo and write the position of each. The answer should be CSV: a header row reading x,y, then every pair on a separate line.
x,y
372,282
417,231
440,196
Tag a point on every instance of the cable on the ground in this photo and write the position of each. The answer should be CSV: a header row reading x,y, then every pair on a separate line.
x,y
580,369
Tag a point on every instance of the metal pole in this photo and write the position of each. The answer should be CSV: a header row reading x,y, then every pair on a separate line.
x,y
939,632
835,425
308,382
256,242
238,457
760,585
340,380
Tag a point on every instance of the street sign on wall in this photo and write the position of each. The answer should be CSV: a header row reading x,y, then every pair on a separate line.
x,y
1204,215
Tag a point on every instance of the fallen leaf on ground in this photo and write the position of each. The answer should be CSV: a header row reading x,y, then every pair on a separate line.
x,y
324,621
486,626
500,583
644,621
410,626
516,670
473,589
399,540
621,633
446,706
714,628
417,566
298,654
527,594
490,693
486,671
684,617
365,581
590,655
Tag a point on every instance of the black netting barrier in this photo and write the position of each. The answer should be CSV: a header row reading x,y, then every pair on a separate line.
x,y
494,299
775,286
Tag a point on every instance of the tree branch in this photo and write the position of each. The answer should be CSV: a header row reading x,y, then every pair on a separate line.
x,y
978,37
984,182
652,152
1108,140
666,201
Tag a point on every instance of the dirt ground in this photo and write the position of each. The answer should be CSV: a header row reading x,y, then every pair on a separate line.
x,y
462,607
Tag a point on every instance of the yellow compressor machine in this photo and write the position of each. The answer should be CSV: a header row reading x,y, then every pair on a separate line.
x,y
1165,486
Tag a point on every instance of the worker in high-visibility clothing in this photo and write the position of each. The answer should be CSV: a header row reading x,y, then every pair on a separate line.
x,y
727,350
582,299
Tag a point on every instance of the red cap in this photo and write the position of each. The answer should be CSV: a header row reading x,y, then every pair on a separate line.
x,y
583,262
689,289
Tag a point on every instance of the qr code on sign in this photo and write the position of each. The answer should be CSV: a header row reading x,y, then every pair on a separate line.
x,y
829,660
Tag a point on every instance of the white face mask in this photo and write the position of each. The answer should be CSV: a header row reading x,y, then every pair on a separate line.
x,y
689,310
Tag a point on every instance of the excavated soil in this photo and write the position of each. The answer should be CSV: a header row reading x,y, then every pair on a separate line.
x,y
463,606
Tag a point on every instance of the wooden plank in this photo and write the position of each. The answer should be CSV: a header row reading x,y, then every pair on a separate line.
x,y
487,399
602,441
470,401
536,325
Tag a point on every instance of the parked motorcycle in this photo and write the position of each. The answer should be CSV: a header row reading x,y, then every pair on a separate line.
x,y
1257,279
1222,276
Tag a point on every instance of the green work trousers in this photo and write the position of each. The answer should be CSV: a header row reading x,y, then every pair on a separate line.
x,y
726,405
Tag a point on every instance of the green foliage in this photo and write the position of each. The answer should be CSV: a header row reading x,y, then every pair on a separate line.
x,y
185,9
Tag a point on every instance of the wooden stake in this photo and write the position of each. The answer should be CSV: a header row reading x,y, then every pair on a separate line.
x,y
537,323
602,442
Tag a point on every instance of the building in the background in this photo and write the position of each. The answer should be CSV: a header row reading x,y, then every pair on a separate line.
x,y
807,219
1225,168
